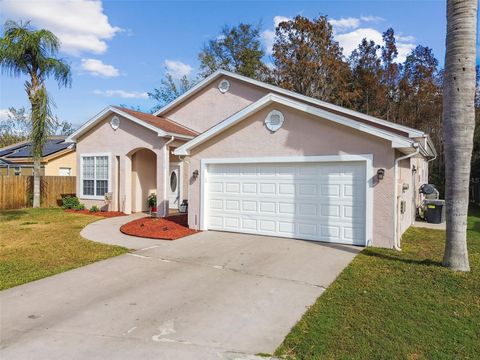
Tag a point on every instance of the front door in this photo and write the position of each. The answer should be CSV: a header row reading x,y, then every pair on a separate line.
x,y
174,187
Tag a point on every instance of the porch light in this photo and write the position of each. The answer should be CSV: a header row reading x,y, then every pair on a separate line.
x,y
195,174
380,174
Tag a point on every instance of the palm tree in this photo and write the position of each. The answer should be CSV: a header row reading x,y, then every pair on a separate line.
x,y
24,51
459,125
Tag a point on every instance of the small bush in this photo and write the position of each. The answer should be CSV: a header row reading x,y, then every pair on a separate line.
x,y
94,208
70,202
152,200
79,207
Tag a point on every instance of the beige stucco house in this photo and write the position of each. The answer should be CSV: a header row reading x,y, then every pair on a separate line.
x,y
254,158
58,158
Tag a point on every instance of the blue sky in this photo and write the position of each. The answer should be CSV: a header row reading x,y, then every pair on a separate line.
x,y
119,50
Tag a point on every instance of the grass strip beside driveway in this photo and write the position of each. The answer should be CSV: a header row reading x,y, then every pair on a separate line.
x,y
36,243
396,305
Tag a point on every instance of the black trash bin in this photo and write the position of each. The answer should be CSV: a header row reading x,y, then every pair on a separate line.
x,y
435,211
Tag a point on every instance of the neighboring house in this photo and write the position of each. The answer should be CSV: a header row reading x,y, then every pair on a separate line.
x,y
58,158
254,158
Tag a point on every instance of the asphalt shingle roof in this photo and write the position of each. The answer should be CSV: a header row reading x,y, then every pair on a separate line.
x,y
159,122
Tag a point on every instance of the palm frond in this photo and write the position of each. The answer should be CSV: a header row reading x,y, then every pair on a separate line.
x,y
41,117
24,50
59,70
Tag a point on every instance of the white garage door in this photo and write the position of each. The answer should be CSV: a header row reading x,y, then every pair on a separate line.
x,y
312,201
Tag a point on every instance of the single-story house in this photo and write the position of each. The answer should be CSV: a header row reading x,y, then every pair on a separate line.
x,y
254,158
58,158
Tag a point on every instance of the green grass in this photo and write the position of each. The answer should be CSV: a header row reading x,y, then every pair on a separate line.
x,y
35,243
396,305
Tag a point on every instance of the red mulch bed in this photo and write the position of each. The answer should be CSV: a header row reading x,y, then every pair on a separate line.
x,y
169,228
106,214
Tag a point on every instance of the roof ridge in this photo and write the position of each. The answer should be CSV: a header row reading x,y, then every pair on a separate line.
x,y
286,92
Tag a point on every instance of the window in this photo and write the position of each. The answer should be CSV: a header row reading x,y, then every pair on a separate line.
x,y
18,171
173,181
95,176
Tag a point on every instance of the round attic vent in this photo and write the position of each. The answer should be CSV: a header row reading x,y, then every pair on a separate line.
x,y
115,122
224,86
274,120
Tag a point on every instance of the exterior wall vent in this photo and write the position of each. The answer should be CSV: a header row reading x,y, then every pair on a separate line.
x,y
224,86
115,122
274,120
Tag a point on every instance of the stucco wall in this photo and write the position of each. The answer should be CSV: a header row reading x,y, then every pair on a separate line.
x,y
52,168
411,196
122,142
405,218
144,181
209,106
302,135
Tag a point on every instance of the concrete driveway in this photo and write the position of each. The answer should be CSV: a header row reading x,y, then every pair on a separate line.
x,y
212,295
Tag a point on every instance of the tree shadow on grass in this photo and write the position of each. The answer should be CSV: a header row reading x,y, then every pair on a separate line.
x,y
428,262
8,215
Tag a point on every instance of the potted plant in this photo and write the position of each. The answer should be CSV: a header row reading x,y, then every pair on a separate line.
x,y
152,203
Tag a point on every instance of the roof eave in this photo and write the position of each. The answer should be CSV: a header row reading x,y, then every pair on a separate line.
x,y
396,141
109,110
205,82
190,92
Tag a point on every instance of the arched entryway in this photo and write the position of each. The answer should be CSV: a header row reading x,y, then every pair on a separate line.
x,y
144,178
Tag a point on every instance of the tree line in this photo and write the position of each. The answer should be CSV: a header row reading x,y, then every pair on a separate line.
x,y
307,59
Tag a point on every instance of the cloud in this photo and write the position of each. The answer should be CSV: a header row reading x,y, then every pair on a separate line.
x,y
349,33
98,68
178,69
349,41
404,38
404,49
81,25
371,18
279,19
4,114
345,23
122,94
268,36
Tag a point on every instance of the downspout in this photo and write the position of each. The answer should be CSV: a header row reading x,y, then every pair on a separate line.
x,y
434,156
396,242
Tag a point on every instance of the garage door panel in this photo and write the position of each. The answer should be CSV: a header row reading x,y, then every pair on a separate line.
x,y
313,201
249,188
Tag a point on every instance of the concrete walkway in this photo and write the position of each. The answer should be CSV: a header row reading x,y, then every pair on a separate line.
x,y
211,295
426,225
107,231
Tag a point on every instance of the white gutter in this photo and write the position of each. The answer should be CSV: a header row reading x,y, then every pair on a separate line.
x,y
396,242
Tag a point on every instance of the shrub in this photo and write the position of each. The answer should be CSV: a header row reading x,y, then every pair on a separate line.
x,y
152,200
79,207
94,208
70,202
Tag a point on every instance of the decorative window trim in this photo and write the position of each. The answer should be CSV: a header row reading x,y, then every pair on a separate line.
x,y
115,122
273,127
224,86
109,186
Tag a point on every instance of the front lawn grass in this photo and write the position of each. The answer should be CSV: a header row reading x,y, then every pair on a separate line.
x,y
396,305
35,243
